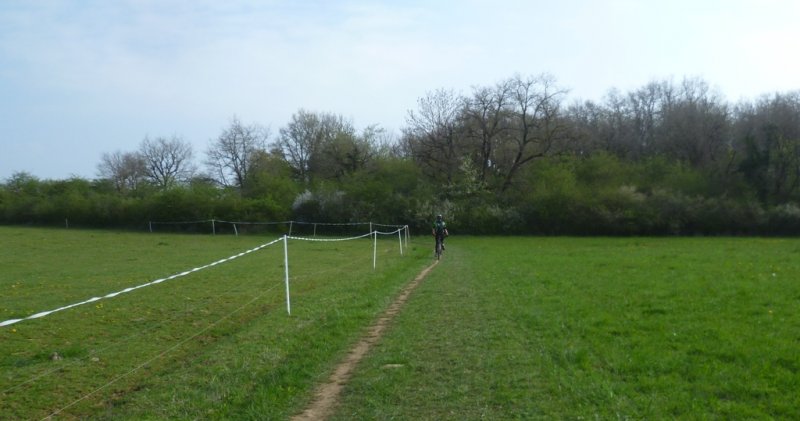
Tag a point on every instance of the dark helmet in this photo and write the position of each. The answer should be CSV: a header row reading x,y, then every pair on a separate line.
x,y
439,217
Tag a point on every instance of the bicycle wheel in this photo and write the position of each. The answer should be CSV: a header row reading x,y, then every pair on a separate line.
x,y
438,249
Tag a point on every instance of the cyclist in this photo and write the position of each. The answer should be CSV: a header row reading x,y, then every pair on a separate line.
x,y
439,230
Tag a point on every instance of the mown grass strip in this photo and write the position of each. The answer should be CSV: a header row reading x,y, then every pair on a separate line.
x,y
553,328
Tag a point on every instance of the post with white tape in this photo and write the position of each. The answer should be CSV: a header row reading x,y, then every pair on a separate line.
x,y
290,227
286,269
374,249
235,230
400,238
213,228
151,226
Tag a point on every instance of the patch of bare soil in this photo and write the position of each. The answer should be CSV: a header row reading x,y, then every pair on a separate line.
x,y
327,395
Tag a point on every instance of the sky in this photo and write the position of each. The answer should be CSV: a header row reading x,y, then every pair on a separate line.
x,y
82,78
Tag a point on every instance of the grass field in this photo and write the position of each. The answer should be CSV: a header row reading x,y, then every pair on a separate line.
x,y
502,328
566,328
215,344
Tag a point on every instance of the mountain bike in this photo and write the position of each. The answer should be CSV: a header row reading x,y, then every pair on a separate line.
x,y
439,247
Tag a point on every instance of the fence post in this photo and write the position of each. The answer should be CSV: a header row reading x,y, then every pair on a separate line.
x,y
213,228
374,249
290,227
236,231
286,270
151,226
400,238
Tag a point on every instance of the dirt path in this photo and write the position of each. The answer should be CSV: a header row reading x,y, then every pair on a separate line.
x,y
327,394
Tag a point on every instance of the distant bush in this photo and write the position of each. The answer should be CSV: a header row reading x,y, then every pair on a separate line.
x,y
783,220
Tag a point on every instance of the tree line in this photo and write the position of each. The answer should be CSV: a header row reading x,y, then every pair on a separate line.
x,y
515,157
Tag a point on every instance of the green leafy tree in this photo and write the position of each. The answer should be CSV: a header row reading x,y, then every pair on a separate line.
x,y
270,183
324,146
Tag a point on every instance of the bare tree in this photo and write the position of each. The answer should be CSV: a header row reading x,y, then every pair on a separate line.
x,y
536,124
767,137
644,110
486,121
694,125
167,161
591,129
229,156
688,122
127,170
432,134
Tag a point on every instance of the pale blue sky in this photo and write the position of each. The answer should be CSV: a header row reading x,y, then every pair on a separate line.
x,y
80,78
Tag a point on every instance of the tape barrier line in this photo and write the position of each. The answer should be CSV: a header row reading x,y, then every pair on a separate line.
x,y
389,233
129,289
323,240
251,223
332,224
180,222
278,223
369,234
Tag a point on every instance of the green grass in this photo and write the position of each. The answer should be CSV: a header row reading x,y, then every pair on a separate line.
x,y
502,328
567,328
214,344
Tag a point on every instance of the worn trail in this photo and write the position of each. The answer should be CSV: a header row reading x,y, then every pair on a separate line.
x,y
327,394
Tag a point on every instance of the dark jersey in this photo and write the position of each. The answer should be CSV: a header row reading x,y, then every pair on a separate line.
x,y
439,227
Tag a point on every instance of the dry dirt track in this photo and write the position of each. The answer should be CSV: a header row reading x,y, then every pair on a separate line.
x,y
327,394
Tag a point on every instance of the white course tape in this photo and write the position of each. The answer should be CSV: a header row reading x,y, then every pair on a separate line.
x,y
369,234
388,233
157,281
252,223
328,239
332,224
